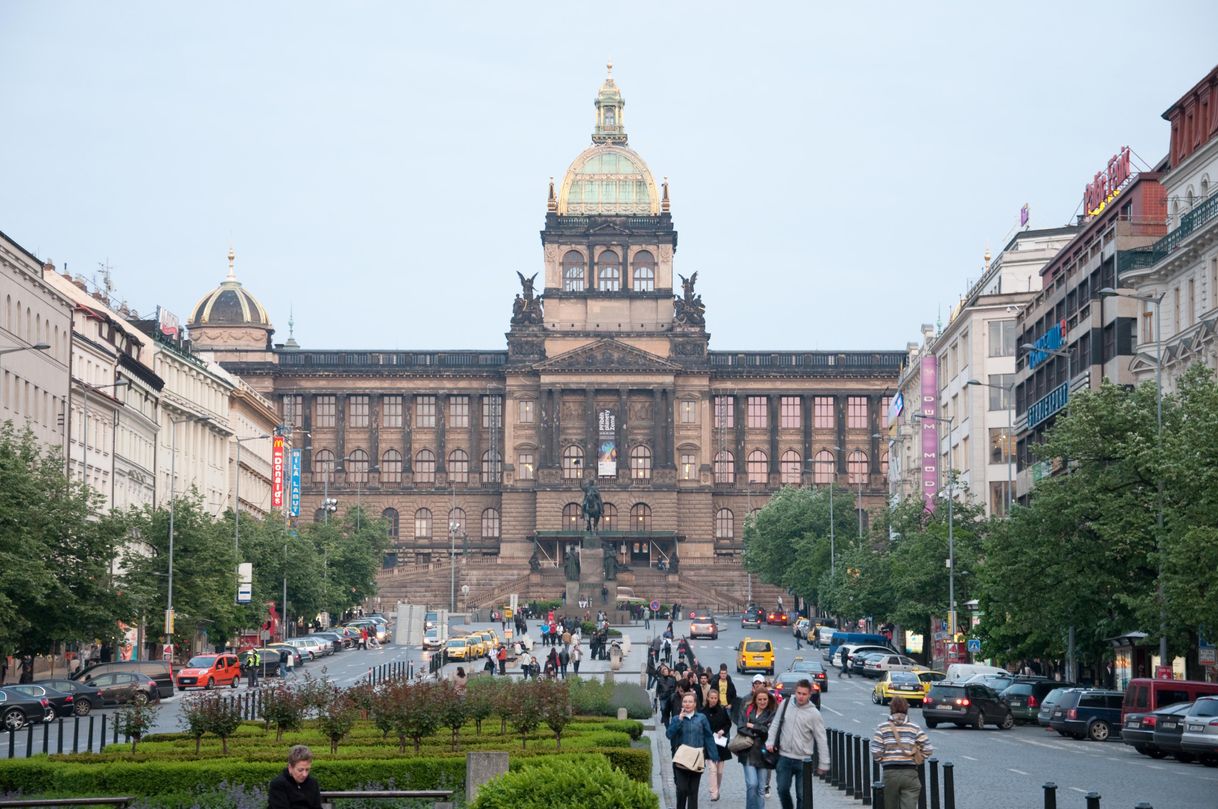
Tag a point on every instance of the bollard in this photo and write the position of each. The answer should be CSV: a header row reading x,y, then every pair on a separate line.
x,y
46,739
90,750
851,783
101,739
805,777
1093,800
844,768
58,739
934,783
949,786
11,733
835,758
861,784
1050,795
75,734
29,740
877,792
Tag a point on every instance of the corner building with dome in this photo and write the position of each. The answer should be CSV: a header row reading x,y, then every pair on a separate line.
x,y
607,373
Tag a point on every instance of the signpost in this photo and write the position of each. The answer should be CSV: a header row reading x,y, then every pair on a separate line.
x,y
974,645
655,606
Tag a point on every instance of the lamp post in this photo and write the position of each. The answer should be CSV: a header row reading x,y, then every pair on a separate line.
x,y
1009,390
1109,292
237,495
951,525
84,443
453,525
173,457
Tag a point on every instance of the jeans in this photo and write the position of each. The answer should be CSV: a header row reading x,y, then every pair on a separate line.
x,y
687,783
790,769
754,786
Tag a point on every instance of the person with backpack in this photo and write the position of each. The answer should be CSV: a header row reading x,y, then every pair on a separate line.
x,y
796,734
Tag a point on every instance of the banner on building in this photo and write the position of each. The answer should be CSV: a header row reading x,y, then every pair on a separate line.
x,y
277,472
245,583
929,408
294,483
606,456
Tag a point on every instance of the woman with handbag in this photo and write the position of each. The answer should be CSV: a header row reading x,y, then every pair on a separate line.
x,y
757,718
900,747
721,725
693,745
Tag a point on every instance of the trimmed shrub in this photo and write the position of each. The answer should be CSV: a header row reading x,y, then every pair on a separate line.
x,y
634,698
553,781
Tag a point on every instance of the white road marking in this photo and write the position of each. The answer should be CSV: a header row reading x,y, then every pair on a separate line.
x,y
970,758
830,710
1076,789
1017,772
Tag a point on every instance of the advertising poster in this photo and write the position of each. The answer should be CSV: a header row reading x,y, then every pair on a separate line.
x,y
277,472
294,483
929,406
606,456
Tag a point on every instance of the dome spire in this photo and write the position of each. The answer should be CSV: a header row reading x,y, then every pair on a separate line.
x,y
610,120
232,255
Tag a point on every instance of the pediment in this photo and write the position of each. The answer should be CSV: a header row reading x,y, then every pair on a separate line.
x,y
608,355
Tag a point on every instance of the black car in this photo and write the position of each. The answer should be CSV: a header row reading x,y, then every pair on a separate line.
x,y
753,616
784,686
1025,695
61,702
971,705
1140,728
122,687
813,670
18,710
85,696
1088,713
158,670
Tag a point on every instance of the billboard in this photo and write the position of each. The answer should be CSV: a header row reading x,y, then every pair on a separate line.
x,y
294,483
277,472
606,453
929,406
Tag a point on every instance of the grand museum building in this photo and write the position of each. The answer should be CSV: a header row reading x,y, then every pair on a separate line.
x,y
607,373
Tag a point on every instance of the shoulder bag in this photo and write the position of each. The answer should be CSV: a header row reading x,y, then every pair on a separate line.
x,y
769,759
740,743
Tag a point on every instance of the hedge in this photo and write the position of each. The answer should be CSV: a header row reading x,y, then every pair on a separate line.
x,y
571,784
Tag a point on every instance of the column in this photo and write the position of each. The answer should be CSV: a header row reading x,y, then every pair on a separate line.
x,y
374,433
306,418
741,467
340,433
773,404
475,437
839,421
407,416
670,450
441,419
805,423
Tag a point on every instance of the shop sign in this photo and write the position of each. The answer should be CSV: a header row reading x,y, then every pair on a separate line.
x,y
1049,405
1108,183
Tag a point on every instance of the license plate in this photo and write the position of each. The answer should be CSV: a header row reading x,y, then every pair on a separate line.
x,y
1132,723
1169,725
1196,728
947,707
1057,714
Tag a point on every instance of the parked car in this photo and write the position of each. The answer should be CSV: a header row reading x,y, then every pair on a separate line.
x,y
318,647
960,672
1088,713
1024,696
159,670
703,625
996,681
878,663
122,687
458,649
1138,729
375,629
971,705
1168,734
1048,704
801,627
208,671
18,710
1201,731
776,617
899,684
284,649
824,634
337,642
752,617
784,686
813,669
1144,695
84,696
858,661
847,650
58,703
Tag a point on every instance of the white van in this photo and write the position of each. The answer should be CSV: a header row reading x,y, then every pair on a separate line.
x,y
959,672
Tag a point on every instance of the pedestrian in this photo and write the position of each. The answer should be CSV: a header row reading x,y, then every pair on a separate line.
x,y
845,669
726,688
460,680
287,662
666,684
797,732
252,661
363,637
721,724
564,660
704,685
691,729
577,654
757,717
544,629
651,668
502,656
900,747
761,685
295,788
646,617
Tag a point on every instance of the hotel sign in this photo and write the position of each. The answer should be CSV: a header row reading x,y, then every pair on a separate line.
x,y
929,406
1049,405
1107,183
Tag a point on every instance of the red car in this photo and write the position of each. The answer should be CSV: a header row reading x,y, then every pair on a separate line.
x,y
208,671
776,617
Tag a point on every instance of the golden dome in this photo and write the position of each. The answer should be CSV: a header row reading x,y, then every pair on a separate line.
x,y
229,304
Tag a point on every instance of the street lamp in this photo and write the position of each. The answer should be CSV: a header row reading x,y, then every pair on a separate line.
x,y
173,457
1009,390
237,495
951,525
1109,292
34,347
453,527
85,386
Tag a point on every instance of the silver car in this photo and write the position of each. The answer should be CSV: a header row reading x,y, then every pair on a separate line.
x,y
1200,735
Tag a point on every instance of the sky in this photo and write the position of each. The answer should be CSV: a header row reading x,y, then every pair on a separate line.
x,y
837,170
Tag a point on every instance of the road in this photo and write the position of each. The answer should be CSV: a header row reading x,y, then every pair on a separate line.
x,y
1000,769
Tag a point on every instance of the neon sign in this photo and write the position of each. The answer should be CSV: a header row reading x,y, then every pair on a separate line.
x,y
1107,183
1048,344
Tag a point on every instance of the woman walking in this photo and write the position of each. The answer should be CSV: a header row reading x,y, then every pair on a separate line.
x,y
690,728
900,746
721,725
757,718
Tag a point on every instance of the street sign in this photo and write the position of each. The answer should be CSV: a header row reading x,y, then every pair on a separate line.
x,y
167,651
1205,655
655,606
974,645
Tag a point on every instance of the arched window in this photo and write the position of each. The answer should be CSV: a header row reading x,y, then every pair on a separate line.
x,y
640,517
458,466
391,466
422,524
357,466
573,271
640,462
425,466
492,467
390,515
1205,187
643,273
823,467
573,462
1188,197
725,467
609,517
856,466
758,466
884,463
789,466
323,466
456,521
572,517
608,272
725,524
490,523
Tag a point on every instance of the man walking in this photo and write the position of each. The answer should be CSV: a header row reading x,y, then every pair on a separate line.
x,y
894,746
647,617
796,733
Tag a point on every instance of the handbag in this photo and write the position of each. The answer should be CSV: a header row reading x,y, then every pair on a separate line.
x,y
919,755
689,758
740,743
769,759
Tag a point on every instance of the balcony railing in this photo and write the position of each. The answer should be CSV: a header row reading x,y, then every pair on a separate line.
x,y
395,359
1190,222
889,361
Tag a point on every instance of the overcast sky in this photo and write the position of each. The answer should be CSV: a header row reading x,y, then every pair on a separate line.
x,y
381,168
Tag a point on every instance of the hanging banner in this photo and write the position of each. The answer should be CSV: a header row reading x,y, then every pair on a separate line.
x,y
606,455
277,472
929,406
245,582
294,483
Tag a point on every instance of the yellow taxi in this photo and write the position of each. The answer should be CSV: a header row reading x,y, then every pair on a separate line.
x,y
457,649
491,637
476,645
755,654
899,684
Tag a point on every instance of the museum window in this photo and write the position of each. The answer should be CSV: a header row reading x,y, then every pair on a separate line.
x,y
790,467
391,411
391,466
573,462
609,517
725,467
356,466
323,466
856,467
884,464
725,412
458,466
1002,338
492,412
644,272
458,411
885,406
492,467
490,523
524,466
756,415
608,272
292,409
572,517
573,272
456,522
725,524
758,467
357,411
525,411
1000,389
689,411
390,516
640,517
788,413
640,462
823,464
425,411
422,524
1002,445
856,412
325,411
425,466
689,466
822,413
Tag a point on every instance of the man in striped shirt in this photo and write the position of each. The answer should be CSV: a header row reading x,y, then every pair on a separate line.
x,y
894,745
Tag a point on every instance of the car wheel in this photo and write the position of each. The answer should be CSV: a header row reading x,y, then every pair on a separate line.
x,y
14,719
140,698
932,723
875,698
1008,722
208,685
82,707
1210,761
236,680
979,721
48,714
1185,758
1155,752
1099,731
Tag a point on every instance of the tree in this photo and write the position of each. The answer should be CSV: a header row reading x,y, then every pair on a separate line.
x,y
555,699
452,709
480,694
526,712
337,718
786,543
